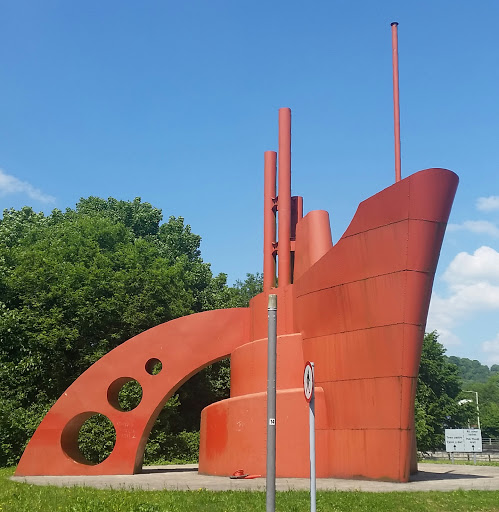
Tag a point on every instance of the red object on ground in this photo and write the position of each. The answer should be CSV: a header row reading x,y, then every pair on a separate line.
x,y
357,309
239,474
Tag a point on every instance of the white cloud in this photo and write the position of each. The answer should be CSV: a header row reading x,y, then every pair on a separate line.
x,y
448,338
466,300
491,349
481,227
467,269
473,297
12,185
473,282
487,204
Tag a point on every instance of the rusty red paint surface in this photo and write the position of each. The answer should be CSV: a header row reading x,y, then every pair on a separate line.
x,y
358,310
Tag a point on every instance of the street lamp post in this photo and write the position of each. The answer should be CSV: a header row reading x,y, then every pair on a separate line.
x,y
477,408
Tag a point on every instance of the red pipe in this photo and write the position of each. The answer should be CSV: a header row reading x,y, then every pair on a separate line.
x,y
296,214
284,198
269,219
396,106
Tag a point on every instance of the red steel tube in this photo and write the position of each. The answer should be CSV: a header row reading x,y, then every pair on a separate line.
x,y
396,105
284,198
296,214
269,219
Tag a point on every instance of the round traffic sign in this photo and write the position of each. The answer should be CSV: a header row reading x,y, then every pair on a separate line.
x,y
308,381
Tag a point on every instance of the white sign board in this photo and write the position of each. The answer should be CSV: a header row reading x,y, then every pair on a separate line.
x,y
472,440
465,440
308,381
454,440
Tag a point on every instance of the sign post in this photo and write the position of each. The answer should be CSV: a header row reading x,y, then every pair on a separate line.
x,y
271,401
309,390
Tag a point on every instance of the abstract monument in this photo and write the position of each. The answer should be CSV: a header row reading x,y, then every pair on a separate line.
x,y
357,309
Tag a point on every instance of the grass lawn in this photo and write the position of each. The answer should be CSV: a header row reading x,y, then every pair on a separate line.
x,y
30,498
459,462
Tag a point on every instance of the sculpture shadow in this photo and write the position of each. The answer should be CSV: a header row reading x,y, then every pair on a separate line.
x,y
166,470
425,476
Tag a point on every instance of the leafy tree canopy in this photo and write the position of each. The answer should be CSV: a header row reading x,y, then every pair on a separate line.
x,y
141,218
488,397
437,396
244,291
76,284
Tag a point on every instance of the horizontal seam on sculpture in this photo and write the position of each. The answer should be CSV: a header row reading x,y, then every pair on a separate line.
x,y
361,329
390,224
363,279
319,383
366,428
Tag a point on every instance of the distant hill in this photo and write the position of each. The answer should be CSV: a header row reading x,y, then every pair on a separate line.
x,y
473,371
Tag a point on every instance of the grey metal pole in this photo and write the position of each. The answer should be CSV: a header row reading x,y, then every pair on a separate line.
x,y
477,411
312,447
271,401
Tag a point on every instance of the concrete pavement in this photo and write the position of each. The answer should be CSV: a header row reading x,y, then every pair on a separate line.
x,y
431,477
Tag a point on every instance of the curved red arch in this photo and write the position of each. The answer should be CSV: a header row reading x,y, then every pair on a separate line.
x,y
184,346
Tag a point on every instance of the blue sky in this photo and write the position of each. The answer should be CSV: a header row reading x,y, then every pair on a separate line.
x,y
176,102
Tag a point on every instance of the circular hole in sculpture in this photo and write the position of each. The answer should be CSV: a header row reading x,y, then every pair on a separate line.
x,y
124,394
96,439
153,366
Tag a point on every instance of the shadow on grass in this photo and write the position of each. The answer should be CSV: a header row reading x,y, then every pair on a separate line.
x,y
165,469
426,476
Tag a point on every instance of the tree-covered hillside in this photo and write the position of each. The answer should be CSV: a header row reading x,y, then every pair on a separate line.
x,y
477,377
473,370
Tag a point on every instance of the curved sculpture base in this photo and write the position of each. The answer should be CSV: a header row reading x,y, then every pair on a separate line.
x,y
364,424
233,435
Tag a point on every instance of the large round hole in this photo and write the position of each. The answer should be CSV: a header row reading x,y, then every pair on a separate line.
x,y
96,439
153,366
124,394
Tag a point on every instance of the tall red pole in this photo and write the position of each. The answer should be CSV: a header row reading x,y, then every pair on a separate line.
x,y
396,106
269,221
284,198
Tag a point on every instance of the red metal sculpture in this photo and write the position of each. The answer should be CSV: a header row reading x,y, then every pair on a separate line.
x,y
357,309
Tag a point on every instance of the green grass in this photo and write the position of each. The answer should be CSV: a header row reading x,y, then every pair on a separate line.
x,y
30,498
459,462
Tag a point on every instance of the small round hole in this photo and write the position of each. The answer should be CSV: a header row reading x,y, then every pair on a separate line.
x,y
124,394
153,366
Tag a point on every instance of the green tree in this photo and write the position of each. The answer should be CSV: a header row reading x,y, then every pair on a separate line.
x,y
141,218
488,396
76,284
244,291
213,383
437,396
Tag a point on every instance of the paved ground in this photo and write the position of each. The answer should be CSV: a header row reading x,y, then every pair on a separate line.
x,y
431,477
